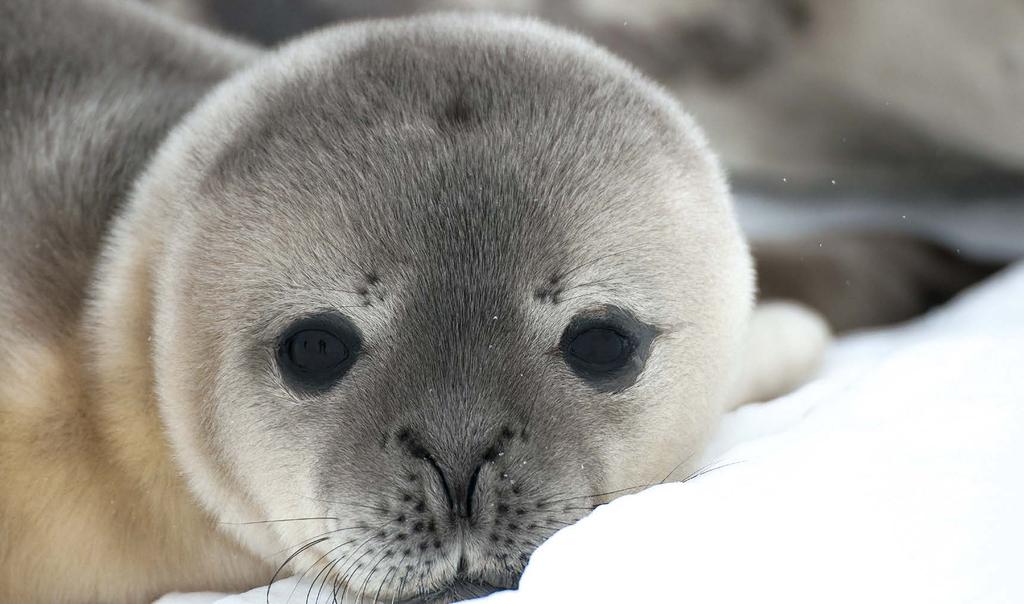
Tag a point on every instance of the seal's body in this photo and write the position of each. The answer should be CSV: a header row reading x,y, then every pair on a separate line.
x,y
92,508
420,292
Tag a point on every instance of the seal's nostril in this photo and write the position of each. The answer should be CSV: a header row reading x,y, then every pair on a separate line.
x,y
471,491
415,449
459,487
444,481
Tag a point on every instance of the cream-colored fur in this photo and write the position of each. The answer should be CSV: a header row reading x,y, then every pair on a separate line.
x,y
784,343
87,473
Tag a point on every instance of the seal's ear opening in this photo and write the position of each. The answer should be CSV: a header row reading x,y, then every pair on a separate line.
x,y
607,348
315,352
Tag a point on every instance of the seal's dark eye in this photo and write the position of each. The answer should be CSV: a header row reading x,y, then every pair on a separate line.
x,y
600,349
315,352
607,348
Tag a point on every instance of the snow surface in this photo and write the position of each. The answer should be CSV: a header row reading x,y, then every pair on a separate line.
x,y
896,476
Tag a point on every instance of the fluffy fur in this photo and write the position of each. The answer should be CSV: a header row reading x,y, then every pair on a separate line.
x,y
459,187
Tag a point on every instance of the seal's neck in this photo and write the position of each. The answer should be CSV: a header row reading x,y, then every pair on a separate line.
x,y
167,524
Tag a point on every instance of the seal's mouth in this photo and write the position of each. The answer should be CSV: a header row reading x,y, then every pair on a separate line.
x,y
459,588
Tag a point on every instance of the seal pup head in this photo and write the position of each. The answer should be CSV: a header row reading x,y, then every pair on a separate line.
x,y
441,285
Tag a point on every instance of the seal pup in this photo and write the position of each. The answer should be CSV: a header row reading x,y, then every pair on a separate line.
x,y
394,302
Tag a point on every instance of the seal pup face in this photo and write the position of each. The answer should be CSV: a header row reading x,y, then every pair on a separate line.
x,y
438,286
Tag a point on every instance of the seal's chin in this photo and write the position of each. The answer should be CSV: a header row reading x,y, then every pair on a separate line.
x,y
460,588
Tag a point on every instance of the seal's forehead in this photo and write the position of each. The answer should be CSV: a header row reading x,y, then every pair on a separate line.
x,y
424,121
403,93
418,146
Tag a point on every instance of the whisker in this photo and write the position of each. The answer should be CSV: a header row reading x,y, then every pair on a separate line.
x,y
589,284
343,576
330,568
711,468
354,263
279,520
326,572
576,297
349,504
677,466
333,290
335,586
351,565
373,570
381,586
558,494
623,490
290,558
347,528
311,566
554,501
401,584
593,261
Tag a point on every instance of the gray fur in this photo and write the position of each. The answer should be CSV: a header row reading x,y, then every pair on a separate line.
x,y
459,187
89,88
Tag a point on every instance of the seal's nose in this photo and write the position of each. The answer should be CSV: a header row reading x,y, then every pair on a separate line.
x,y
460,493
459,481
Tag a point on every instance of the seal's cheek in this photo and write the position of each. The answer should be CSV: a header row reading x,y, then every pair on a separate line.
x,y
664,419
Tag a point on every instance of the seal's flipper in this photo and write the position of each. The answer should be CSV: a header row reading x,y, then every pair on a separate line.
x,y
859,280
784,344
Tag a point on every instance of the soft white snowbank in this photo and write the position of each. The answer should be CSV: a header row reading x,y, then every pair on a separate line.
x,y
897,476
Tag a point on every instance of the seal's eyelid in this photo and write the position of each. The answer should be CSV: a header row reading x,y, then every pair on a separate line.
x,y
628,318
268,331
558,292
